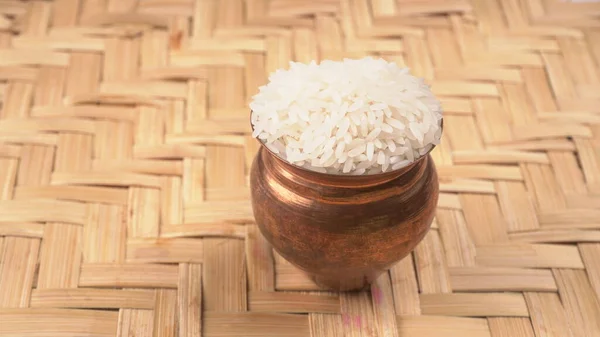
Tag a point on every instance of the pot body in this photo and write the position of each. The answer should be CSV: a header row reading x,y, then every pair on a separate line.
x,y
343,231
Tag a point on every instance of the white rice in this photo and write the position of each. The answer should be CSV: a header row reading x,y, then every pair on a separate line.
x,y
362,116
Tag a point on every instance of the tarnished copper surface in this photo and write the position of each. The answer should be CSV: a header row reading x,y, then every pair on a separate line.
x,y
342,230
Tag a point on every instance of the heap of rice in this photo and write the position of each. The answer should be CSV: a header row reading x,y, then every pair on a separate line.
x,y
362,116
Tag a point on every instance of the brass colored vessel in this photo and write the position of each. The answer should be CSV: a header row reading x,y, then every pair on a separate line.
x,y
343,231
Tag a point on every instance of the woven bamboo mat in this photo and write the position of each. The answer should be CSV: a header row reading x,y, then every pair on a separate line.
x,y
124,155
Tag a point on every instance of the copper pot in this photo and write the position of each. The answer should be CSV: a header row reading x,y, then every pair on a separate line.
x,y
343,231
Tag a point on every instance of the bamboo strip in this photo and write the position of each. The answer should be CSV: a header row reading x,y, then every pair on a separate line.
x,y
111,178
495,125
222,124
60,256
325,325
27,230
83,73
462,133
525,43
328,33
518,106
34,167
547,130
478,209
50,84
417,56
135,321
171,202
113,140
429,262
269,301
259,258
165,310
44,125
584,201
517,207
491,74
577,117
581,304
442,154
156,167
216,211
291,8
92,298
484,279
571,219
197,105
455,105
480,172
499,157
224,282
23,57
449,201
73,152
568,173
540,180
590,162
288,277
18,73
547,315
561,82
143,210
243,324
8,176
589,254
17,99
468,186
151,250
68,15
357,314
107,195
58,43
189,300
150,126
225,167
111,275
42,211
536,145
105,234
166,151
529,255
557,236
383,306
120,58
193,181
227,193
203,230
19,257
228,140
44,322
145,89
477,305
510,326
458,245
226,93
431,326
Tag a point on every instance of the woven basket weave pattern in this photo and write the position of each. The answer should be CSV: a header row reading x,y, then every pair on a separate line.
x,y
125,150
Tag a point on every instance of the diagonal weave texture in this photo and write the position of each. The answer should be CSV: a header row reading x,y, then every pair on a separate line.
x,y
124,156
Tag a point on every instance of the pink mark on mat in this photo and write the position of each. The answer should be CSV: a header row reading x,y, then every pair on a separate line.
x,y
377,294
346,319
357,321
